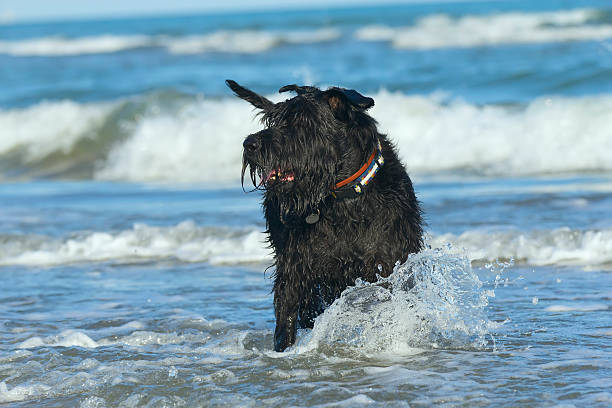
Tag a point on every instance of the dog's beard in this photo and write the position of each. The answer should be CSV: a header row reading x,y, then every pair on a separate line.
x,y
265,177
252,172
293,192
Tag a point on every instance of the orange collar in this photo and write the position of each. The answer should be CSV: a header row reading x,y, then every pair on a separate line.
x,y
357,174
365,174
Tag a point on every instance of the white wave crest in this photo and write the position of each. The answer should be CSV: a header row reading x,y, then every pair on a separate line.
x,y
68,338
549,135
189,242
61,46
577,308
49,127
186,242
558,247
233,41
200,142
440,30
433,300
21,392
247,41
203,141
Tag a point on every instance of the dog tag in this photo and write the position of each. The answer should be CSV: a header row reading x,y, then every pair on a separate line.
x,y
313,218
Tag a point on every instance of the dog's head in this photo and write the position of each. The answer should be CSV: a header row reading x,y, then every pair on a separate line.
x,y
309,142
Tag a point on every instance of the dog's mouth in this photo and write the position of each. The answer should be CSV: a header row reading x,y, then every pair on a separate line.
x,y
277,176
263,178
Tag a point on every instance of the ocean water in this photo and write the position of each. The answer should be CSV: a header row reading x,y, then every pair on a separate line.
x,y
132,264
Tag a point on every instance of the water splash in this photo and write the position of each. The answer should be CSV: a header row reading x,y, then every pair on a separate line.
x,y
433,300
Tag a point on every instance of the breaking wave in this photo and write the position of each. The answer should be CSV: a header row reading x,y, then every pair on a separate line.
x,y
444,31
428,32
179,138
159,137
185,242
236,41
49,127
247,41
562,246
61,46
189,242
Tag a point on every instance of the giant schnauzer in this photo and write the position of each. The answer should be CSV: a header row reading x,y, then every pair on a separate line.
x,y
338,203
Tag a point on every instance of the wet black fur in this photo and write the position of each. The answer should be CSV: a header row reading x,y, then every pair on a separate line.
x,y
323,137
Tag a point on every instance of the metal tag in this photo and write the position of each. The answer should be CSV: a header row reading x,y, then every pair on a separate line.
x,y
313,218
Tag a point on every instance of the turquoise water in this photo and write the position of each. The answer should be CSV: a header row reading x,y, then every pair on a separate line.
x,y
132,262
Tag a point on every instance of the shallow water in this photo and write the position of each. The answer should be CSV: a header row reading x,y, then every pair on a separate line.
x,y
132,264
161,328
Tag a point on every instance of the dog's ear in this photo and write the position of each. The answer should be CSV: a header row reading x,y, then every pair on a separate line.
x,y
300,90
254,99
343,101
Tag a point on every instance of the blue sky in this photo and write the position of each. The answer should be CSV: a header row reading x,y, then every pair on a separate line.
x,y
23,10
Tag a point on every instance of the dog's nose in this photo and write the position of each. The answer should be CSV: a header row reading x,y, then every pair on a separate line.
x,y
251,143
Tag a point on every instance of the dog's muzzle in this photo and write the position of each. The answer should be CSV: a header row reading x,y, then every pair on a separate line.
x,y
251,144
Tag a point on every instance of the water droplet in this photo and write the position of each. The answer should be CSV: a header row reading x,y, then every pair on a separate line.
x,y
172,372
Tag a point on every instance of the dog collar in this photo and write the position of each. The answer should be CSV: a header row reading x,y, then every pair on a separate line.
x,y
362,177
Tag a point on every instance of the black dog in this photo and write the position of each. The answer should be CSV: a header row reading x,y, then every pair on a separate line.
x,y
338,203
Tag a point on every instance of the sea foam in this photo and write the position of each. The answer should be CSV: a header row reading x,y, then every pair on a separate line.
x,y
562,246
21,392
442,31
548,135
68,338
230,41
49,127
189,242
203,141
199,142
430,31
186,242
62,46
247,41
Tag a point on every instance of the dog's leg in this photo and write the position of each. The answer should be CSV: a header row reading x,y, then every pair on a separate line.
x,y
286,311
